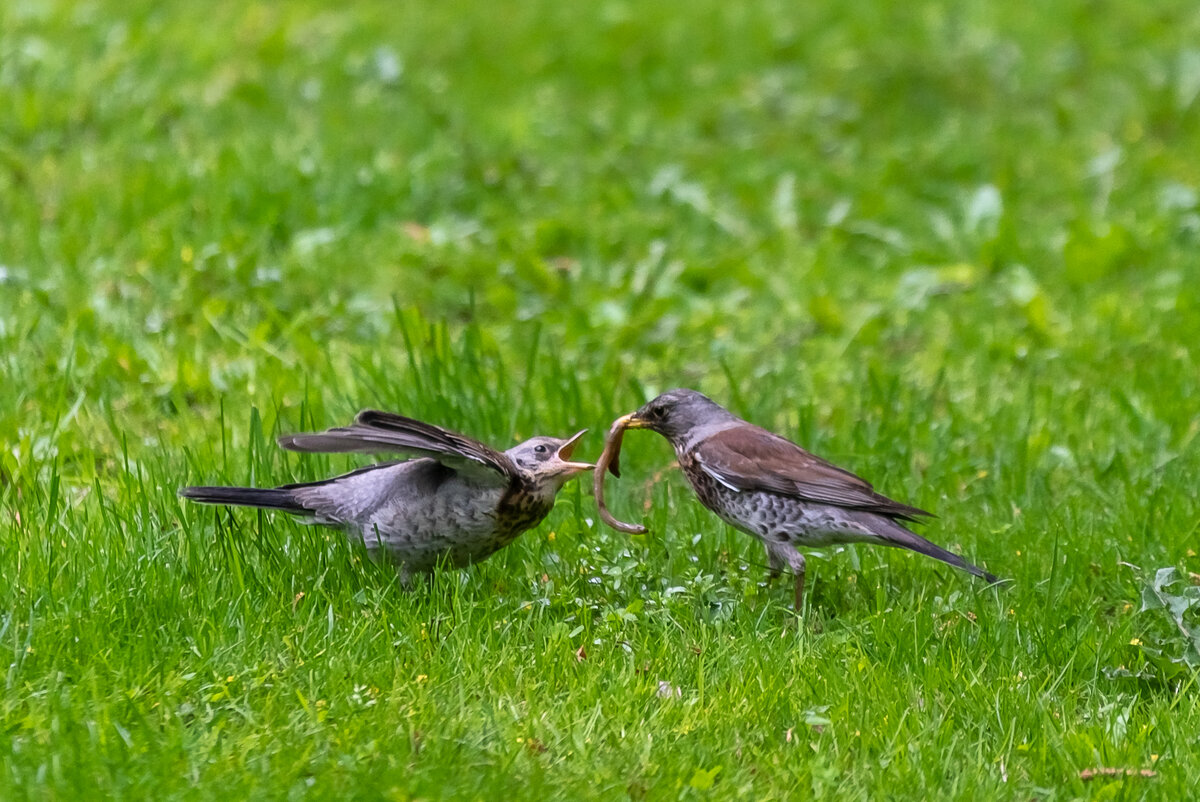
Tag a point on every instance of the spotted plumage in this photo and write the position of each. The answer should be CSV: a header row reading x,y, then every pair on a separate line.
x,y
773,489
457,503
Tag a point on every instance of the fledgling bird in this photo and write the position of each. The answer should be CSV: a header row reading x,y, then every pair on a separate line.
x,y
458,503
769,487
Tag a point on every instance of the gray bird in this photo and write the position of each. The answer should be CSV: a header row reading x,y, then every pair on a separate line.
x,y
769,487
457,504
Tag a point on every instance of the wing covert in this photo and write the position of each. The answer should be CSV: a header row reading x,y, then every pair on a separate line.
x,y
374,432
748,458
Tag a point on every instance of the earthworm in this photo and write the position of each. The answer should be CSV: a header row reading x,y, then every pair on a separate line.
x,y
610,461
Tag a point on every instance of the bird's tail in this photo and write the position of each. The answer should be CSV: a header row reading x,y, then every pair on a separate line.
x,y
896,535
266,498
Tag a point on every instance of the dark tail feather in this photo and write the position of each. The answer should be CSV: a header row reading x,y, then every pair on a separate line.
x,y
266,498
897,535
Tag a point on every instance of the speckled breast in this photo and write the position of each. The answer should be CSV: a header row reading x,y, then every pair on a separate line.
x,y
772,517
746,511
521,510
459,525
516,513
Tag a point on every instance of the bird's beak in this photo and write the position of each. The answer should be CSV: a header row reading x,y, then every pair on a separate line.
x,y
631,421
567,449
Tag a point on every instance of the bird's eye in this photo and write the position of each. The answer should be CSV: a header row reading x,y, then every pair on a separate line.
x,y
539,449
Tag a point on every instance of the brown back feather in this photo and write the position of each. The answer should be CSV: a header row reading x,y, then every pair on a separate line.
x,y
748,457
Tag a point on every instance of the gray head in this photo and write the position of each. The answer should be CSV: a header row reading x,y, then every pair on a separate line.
x,y
549,458
679,415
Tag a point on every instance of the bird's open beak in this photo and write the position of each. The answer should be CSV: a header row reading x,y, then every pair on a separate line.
x,y
567,449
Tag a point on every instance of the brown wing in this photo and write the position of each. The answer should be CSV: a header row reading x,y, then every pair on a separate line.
x,y
750,458
374,431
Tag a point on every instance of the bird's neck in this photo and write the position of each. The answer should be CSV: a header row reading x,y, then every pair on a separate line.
x,y
688,440
528,501
540,490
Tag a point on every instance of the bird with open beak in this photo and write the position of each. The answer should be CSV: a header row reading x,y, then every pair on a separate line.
x,y
457,503
769,487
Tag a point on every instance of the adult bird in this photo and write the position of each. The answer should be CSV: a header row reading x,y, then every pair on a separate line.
x,y
457,503
773,489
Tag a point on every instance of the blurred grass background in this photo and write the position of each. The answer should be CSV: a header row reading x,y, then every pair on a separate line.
x,y
951,246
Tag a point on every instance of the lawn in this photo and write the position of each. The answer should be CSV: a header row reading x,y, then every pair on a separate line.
x,y
951,246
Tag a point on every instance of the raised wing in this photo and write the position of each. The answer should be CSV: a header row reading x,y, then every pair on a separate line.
x,y
748,458
374,432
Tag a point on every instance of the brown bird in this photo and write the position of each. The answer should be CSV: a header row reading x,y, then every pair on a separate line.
x,y
459,503
769,487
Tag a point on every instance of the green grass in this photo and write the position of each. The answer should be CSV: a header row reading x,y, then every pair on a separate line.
x,y
952,246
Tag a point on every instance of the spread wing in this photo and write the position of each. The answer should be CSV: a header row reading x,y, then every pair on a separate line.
x,y
749,458
373,432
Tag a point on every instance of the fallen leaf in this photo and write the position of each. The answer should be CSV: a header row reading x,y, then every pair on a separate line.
x,y
581,654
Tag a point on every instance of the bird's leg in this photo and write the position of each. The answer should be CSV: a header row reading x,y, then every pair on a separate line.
x,y
776,562
798,569
795,561
779,554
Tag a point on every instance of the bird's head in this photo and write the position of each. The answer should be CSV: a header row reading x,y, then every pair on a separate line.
x,y
679,415
549,458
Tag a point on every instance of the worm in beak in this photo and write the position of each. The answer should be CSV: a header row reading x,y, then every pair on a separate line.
x,y
610,461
